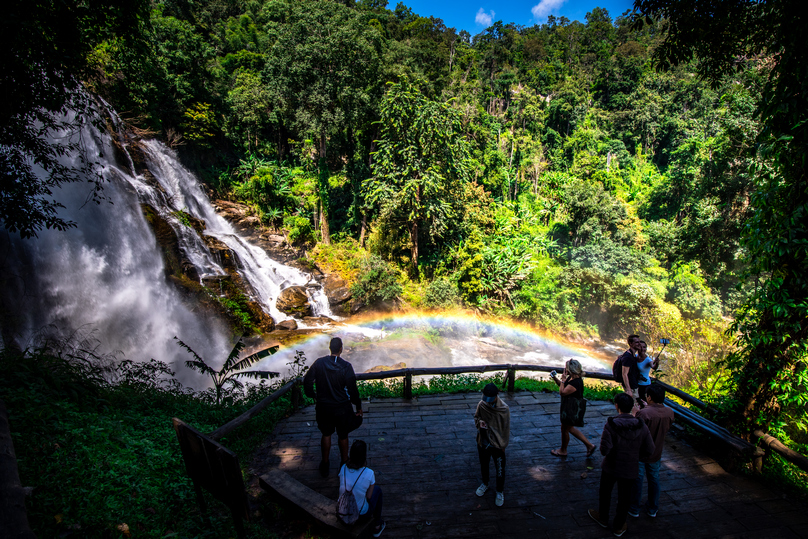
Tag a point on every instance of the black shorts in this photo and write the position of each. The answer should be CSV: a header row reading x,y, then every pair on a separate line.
x,y
341,418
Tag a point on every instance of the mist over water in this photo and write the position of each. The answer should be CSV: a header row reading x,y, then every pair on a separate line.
x,y
103,279
417,341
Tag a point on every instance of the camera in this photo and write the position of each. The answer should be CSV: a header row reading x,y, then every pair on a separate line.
x,y
553,374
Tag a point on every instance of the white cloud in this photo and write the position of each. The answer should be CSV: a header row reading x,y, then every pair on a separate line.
x,y
544,8
485,19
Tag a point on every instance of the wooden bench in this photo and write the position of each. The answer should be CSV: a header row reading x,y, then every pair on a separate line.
x,y
314,503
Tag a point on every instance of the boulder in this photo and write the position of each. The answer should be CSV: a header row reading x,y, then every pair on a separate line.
x,y
294,302
221,253
317,320
288,325
336,289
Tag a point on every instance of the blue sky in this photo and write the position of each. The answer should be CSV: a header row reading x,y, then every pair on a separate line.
x,y
477,15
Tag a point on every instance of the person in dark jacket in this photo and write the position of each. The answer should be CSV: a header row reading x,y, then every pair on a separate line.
x,y
659,419
335,382
624,442
493,421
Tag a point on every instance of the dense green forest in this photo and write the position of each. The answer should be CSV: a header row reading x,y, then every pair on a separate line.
x,y
596,177
639,172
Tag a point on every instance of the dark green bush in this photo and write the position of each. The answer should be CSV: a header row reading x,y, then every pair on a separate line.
x,y
442,293
378,281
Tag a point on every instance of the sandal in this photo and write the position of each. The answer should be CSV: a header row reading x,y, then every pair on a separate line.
x,y
555,453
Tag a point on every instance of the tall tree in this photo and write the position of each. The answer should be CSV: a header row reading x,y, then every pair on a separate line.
x,y
322,67
420,165
771,367
45,49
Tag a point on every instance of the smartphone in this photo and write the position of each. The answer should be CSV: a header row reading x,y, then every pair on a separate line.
x,y
664,341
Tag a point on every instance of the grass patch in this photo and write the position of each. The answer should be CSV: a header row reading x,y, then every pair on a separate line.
x,y
103,453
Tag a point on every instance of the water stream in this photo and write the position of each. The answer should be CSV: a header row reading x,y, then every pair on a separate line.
x,y
105,278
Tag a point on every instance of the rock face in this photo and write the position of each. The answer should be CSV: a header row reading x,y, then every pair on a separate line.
x,y
294,301
289,325
317,320
250,228
336,289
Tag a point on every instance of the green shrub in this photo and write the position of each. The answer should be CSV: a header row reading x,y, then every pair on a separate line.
x,y
442,293
300,231
378,281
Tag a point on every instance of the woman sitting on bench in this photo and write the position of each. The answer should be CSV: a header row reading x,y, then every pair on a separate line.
x,y
368,495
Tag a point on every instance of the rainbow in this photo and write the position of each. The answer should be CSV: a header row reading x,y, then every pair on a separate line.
x,y
438,339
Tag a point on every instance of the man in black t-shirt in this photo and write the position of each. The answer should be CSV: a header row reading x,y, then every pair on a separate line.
x,y
335,392
627,369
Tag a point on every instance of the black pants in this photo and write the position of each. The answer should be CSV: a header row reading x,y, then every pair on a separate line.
x,y
499,462
375,505
625,488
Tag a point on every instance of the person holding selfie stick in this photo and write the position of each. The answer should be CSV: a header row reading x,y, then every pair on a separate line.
x,y
493,421
573,407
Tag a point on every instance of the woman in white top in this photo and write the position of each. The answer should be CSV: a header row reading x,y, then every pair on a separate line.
x,y
361,481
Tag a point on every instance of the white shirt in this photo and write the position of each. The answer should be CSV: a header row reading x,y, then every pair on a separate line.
x,y
364,477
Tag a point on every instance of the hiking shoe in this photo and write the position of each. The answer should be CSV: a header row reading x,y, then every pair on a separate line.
x,y
634,513
621,531
324,468
381,529
596,517
500,499
652,513
482,489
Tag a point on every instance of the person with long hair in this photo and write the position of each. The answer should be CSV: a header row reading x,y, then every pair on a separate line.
x,y
361,481
573,407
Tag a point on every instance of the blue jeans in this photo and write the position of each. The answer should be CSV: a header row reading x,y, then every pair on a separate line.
x,y
651,471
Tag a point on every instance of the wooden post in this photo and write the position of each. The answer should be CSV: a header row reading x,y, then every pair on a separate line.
x,y
408,386
296,395
511,379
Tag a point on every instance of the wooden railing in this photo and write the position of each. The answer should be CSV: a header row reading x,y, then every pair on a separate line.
x,y
683,415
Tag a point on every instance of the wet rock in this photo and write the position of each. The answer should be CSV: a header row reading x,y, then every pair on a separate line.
x,y
336,289
288,325
317,320
383,368
221,253
294,302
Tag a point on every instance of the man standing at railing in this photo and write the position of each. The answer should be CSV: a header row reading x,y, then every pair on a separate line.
x,y
625,369
658,418
336,390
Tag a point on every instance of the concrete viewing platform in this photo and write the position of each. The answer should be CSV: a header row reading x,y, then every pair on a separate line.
x,y
425,458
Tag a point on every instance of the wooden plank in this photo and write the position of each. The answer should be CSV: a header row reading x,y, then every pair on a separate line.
x,y
789,454
315,504
708,427
684,396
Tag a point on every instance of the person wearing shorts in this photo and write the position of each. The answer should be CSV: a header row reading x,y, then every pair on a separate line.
x,y
331,382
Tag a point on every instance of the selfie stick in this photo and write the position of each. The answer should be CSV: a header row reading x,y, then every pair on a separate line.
x,y
660,351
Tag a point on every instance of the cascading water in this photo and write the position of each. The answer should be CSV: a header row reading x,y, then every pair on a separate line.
x,y
266,276
106,276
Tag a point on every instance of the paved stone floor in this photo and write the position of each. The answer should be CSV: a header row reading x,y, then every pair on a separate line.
x,y
425,458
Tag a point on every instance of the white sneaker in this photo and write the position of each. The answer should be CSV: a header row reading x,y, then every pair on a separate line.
x,y
500,499
482,489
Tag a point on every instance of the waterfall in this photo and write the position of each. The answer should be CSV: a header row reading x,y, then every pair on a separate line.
x,y
266,276
106,277
103,280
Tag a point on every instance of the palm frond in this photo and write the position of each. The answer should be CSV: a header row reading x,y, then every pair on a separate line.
x,y
200,366
233,356
256,374
252,358
189,350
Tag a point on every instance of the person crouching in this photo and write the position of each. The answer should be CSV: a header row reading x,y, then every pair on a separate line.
x,y
493,421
